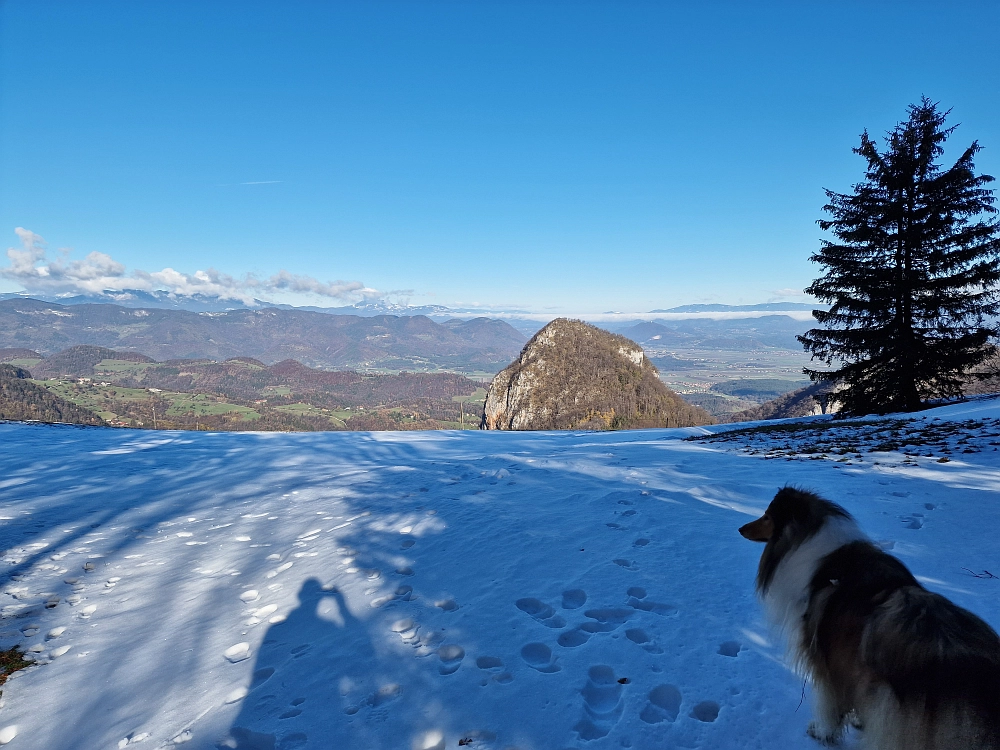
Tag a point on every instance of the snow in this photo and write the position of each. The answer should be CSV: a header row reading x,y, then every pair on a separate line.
x,y
421,590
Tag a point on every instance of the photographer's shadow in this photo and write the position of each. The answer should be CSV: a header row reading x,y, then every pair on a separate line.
x,y
309,667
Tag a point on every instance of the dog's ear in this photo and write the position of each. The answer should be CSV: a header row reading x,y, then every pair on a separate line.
x,y
760,530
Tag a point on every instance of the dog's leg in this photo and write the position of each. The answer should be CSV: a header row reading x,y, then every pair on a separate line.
x,y
828,724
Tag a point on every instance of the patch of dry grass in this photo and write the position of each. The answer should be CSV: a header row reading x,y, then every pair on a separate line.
x,y
11,660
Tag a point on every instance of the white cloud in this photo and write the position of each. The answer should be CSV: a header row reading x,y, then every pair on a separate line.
x,y
337,289
789,294
99,272
22,262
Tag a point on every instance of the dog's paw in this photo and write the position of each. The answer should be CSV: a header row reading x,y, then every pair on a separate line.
x,y
823,734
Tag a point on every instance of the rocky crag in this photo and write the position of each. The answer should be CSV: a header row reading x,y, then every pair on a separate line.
x,y
814,399
573,376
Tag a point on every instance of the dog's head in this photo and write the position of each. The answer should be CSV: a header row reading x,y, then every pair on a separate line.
x,y
793,516
792,511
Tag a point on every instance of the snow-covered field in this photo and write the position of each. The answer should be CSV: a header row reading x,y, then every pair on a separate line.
x,y
443,589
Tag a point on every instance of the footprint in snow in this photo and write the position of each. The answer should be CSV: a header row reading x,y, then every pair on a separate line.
x,y
637,600
640,637
292,741
407,630
538,656
573,638
627,564
384,695
492,664
606,619
640,542
574,598
664,704
237,652
913,521
706,711
730,648
541,612
602,703
451,657
240,738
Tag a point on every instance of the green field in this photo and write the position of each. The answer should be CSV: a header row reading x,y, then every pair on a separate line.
x,y
202,405
27,364
118,366
478,397
308,410
111,402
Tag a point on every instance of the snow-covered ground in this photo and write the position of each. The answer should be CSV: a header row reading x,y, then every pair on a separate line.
x,y
443,589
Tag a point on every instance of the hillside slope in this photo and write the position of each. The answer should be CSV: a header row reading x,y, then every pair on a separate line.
x,y
242,393
572,375
23,400
804,402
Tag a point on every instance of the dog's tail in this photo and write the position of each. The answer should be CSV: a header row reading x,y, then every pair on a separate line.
x,y
941,662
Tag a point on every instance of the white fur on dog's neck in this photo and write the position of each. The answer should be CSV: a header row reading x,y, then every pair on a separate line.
x,y
787,596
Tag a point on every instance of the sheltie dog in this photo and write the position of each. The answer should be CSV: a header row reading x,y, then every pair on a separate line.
x,y
909,668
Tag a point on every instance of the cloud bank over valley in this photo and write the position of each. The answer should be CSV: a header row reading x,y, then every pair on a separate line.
x,y
99,273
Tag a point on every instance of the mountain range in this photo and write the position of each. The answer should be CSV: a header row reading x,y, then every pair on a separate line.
x,y
373,335
206,303
270,334
732,334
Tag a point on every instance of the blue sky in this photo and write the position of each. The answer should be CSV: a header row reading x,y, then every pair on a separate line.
x,y
574,157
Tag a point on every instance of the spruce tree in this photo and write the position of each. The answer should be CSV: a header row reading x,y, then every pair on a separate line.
x,y
910,275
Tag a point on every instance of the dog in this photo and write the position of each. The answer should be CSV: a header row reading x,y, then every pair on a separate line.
x,y
909,668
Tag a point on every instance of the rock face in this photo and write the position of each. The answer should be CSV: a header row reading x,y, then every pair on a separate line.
x,y
573,376
805,402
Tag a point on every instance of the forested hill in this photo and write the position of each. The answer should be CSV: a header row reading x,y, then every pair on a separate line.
x,y
20,399
269,335
242,393
572,375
